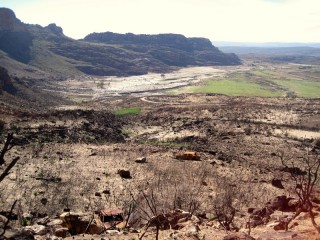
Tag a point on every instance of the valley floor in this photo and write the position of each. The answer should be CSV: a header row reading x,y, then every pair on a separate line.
x,y
70,156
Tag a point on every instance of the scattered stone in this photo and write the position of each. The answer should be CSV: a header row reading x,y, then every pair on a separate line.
x,y
124,174
141,160
44,201
277,183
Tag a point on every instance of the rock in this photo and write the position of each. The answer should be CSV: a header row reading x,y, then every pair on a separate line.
x,y
295,224
141,160
277,183
193,229
77,223
238,236
36,229
94,229
107,191
62,232
27,216
124,174
55,222
250,210
113,232
3,220
280,203
15,234
44,201
97,194
293,205
316,144
280,226
43,221
272,224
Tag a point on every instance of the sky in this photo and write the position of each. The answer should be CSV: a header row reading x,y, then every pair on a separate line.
x,y
218,20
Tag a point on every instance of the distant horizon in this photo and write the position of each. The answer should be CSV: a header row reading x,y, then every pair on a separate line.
x,y
252,21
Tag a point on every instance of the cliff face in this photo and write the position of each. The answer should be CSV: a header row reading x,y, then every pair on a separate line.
x,y
170,49
9,22
15,38
48,49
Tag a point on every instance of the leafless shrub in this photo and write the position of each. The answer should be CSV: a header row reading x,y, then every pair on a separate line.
x,y
304,173
223,204
170,189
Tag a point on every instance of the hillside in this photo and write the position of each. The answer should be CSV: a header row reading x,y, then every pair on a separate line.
x,y
46,50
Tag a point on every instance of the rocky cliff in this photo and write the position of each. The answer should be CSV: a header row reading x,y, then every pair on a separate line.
x,y
50,51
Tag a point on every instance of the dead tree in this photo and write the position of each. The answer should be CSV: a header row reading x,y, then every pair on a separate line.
x,y
223,205
7,146
304,180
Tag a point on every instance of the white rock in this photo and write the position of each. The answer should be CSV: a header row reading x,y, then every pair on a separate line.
x,y
36,229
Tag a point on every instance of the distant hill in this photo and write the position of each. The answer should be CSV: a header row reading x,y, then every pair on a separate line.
x,y
301,55
40,52
266,44
302,51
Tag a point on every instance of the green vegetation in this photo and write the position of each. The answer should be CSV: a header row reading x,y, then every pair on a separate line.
x,y
261,83
236,87
302,88
239,84
127,111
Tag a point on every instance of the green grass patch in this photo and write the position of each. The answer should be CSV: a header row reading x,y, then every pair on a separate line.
x,y
301,88
127,111
236,87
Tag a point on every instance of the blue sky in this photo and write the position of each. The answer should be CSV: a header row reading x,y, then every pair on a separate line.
x,y
218,20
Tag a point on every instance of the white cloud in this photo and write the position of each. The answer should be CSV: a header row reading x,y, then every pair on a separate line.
x,y
232,20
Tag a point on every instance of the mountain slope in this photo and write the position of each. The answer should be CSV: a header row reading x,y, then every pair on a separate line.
x,y
48,50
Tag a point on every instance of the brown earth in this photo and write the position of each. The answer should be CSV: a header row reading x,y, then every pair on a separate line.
x,y
68,156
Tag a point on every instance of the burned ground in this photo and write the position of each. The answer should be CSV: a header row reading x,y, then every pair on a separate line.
x,y
70,159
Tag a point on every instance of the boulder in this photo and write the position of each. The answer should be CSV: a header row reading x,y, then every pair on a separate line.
x,y
62,232
55,222
3,220
281,203
18,234
192,229
36,229
124,174
78,223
